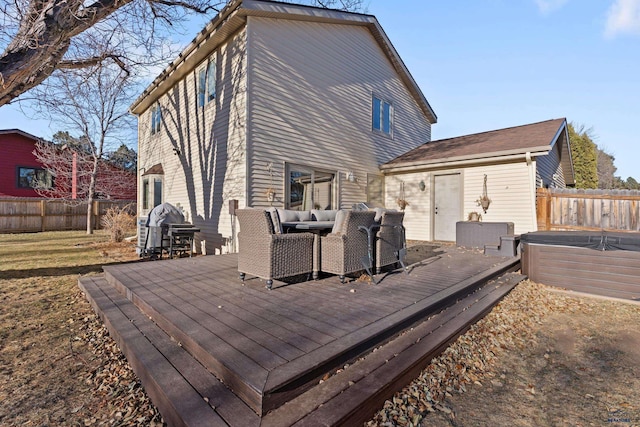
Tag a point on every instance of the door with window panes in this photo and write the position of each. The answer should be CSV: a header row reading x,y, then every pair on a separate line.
x,y
310,188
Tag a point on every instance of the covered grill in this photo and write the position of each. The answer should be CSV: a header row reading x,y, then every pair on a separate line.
x,y
167,231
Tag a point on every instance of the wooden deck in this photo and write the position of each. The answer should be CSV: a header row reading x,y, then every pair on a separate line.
x,y
180,321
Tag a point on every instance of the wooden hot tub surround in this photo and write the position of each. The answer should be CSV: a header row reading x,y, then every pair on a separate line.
x,y
601,263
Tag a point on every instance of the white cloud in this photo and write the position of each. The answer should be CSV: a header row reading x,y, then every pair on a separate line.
x,y
623,17
548,6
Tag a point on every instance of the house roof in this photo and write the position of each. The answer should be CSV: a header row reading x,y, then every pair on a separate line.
x,y
19,132
234,16
535,139
154,170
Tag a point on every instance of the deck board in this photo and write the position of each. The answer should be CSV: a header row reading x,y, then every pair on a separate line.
x,y
182,404
270,346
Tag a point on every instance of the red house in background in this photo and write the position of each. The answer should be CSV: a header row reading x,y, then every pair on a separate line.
x,y
19,167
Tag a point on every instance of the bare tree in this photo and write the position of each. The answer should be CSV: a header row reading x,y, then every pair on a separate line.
x,y
606,169
70,167
40,36
344,5
91,102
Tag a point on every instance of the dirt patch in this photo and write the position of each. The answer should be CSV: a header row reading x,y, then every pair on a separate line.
x,y
538,359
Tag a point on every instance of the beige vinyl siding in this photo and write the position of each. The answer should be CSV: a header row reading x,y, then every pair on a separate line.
x,y
510,187
417,215
311,87
210,169
549,171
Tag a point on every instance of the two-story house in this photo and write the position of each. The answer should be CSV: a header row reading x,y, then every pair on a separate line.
x,y
276,104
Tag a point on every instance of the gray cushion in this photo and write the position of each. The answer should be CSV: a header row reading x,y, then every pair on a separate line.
x,y
288,215
304,215
341,215
323,215
275,220
380,211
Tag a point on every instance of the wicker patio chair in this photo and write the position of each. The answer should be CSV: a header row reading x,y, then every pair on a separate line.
x,y
342,250
389,239
263,253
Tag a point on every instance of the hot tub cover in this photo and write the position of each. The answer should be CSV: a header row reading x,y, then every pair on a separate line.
x,y
602,241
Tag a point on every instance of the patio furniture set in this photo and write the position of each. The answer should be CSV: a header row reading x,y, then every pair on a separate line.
x,y
279,243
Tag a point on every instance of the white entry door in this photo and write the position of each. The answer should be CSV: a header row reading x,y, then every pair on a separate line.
x,y
446,206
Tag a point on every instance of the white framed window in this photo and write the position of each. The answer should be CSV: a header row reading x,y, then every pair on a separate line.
x,y
156,119
207,83
381,115
309,188
151,192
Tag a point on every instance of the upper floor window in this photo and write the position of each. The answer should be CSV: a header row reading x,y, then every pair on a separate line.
x,y
30,177
156,119
207,83
382,116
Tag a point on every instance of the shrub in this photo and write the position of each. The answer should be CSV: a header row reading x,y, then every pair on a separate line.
x,y
117,221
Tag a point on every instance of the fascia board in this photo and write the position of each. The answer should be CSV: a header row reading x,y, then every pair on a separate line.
x,y
465,160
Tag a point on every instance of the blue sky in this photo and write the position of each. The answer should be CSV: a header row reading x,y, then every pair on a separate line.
x,y
489,64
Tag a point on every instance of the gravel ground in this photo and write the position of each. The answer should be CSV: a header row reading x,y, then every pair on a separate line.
x,y
539,358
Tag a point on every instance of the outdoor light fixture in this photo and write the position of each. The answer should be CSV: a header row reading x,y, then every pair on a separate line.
x,y
422,185
351,177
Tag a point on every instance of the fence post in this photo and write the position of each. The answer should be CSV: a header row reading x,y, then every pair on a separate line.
x,y
543,209
96,214
43,210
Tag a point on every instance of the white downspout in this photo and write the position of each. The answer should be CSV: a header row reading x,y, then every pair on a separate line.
x,y
532,190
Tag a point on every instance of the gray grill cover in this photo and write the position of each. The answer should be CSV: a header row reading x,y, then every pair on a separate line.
x,y
164,213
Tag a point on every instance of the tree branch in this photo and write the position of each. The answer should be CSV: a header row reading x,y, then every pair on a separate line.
x,y
76,64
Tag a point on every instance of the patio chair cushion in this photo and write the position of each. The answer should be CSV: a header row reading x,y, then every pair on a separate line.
x,y
288,215
380,211
323,215
339,221
275,220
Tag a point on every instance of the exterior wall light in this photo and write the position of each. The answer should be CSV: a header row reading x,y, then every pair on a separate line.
x,y
422,185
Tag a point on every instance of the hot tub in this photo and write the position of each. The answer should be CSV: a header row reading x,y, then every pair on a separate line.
x,y
601,263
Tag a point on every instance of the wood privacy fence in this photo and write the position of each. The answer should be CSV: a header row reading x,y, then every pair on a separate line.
x,y
31,214
589,210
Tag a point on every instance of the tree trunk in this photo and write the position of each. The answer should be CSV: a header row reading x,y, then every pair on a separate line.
x,y
92,196
44,36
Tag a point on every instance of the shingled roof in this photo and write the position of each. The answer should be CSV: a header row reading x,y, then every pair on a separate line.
x,y
532,138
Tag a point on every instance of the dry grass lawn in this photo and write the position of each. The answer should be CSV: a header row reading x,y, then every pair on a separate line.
x,y
57,365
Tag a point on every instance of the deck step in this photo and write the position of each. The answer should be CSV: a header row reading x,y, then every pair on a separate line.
x,y
353,396
183,390
508,246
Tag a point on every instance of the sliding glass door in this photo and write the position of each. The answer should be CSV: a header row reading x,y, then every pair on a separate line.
x,y
310,188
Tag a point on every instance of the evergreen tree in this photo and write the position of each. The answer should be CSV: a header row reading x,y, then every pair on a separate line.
x,y
632,184
124,157
584,155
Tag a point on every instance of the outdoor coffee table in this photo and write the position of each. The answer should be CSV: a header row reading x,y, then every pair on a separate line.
x,y
318,228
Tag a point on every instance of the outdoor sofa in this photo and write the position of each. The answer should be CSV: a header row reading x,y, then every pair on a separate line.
x,y
278,243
